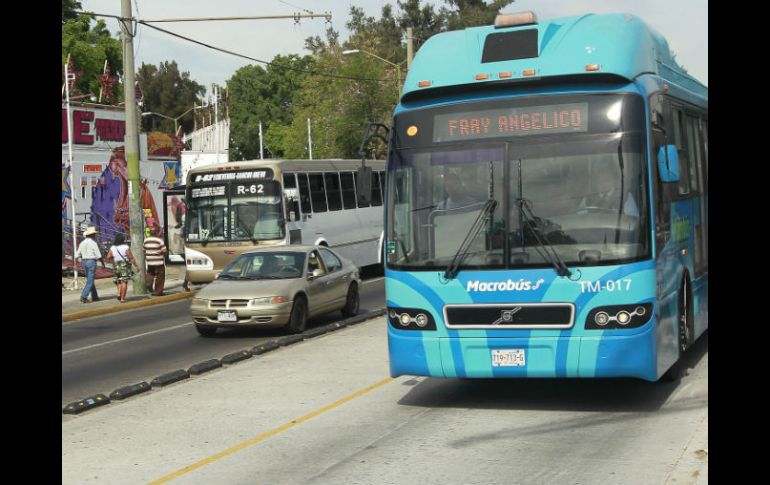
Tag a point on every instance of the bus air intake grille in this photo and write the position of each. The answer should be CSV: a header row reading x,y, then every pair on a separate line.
x,y
521,315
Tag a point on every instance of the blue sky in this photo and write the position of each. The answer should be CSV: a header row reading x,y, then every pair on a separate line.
x,y
683,22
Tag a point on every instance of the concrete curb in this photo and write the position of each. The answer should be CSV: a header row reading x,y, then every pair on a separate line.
x,y
97,400
68,317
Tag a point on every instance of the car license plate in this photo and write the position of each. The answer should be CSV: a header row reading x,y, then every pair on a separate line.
x,y
508,358
227,316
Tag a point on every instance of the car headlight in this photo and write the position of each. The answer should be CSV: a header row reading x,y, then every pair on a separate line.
x,y
200,301
268,300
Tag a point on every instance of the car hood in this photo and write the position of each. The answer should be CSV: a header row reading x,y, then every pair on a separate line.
x,y
247,289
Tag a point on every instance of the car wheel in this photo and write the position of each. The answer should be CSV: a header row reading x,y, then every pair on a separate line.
x,y
298,317
351,302
205,331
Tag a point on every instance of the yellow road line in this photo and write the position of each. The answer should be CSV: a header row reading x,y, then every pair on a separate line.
x,y
270,433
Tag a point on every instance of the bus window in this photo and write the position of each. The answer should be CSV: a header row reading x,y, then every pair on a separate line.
x,y
684,155
693,149
304,193
207,214
355,178
376,189
333,190
317,192
348,191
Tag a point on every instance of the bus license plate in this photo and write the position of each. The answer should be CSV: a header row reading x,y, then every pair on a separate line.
x,y
227,316
508,358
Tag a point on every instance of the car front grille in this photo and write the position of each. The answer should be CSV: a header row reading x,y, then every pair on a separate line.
x,y
229,303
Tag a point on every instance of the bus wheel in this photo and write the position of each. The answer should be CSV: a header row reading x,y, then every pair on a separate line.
x,y
298,317
351,302
205,331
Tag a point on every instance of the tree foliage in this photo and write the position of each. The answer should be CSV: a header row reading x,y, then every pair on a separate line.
x,y
89,47
268,96
69,10
169,92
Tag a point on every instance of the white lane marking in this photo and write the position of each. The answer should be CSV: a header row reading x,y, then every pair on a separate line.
x,y
125,338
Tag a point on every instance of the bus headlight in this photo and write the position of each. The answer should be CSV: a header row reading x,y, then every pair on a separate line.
x,y
421,320
602,319
623,317
619,316
410,319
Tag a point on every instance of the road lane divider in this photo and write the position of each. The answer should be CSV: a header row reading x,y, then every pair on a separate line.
x,y
97,400
269,434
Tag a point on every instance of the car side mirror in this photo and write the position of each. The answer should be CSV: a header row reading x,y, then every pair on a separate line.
x,y
668,163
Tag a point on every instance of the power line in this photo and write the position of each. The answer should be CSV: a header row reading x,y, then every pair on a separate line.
x,y
317,73
303,9
243,56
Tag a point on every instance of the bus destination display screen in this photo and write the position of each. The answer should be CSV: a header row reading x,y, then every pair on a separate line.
x,y
234,175
492,123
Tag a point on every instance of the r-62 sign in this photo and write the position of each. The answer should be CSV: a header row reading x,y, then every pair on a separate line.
x,y
249,189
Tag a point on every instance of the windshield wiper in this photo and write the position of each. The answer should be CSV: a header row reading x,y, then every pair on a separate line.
x,y
462,251
226,276
550,253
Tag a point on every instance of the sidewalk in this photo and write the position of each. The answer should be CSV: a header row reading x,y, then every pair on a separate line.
x,y
72,308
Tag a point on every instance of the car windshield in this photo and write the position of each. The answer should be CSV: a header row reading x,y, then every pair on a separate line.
x,y
267,265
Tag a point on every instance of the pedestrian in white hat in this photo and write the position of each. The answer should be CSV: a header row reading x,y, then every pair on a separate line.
x,y
89,253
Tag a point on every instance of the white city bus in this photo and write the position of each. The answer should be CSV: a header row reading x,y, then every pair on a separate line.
x,y
239,206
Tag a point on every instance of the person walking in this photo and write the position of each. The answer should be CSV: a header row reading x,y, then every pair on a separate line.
x,y
88,251
122,258
155,256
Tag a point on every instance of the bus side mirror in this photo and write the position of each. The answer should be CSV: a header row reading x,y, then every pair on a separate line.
x,y
668,163
364,186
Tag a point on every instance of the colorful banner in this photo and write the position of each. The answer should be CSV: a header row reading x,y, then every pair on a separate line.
x,y
172,175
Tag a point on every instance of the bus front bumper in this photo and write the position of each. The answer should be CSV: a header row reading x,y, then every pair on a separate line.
x,y
543,356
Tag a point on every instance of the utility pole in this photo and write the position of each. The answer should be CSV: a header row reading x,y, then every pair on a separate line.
x,y
309,140
409,48
261,149
71,176
135,212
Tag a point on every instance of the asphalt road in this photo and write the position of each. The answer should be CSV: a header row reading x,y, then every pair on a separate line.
x,y
324,411
101,354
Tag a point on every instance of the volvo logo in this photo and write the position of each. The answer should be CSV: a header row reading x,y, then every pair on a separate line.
x,y
506,315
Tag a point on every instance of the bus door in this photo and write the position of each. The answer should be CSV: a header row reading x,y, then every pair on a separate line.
x,y
294,214
173,232
697,187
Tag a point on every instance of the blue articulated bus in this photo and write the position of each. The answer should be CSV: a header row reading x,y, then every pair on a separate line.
x,y
547,203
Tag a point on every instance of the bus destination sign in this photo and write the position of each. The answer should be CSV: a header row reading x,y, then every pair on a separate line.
x,y
493,123
263,173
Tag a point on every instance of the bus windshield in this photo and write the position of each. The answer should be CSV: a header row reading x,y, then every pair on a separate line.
x,y
235,212
583,195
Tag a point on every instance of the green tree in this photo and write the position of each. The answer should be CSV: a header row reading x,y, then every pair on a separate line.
x,y
264,95
69,10
471,13
169,92
89,48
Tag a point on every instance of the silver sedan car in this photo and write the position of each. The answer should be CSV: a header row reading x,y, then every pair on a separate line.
x,y
279,286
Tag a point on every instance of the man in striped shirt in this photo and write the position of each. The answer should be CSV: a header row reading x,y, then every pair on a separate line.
x,y
155,257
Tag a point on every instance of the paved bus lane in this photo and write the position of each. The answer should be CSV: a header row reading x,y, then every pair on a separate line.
x,y
326,412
